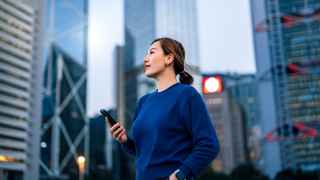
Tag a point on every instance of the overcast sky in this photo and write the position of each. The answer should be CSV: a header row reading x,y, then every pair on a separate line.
x,y
225,41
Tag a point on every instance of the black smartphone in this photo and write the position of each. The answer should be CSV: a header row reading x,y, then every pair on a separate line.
x,y
107,116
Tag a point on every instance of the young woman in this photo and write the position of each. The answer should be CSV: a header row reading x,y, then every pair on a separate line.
x,y
172,134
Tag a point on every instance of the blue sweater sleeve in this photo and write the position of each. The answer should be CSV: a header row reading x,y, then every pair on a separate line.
x,y
129,146
199,125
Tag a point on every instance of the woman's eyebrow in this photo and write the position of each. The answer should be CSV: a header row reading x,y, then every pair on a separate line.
x,y
151,49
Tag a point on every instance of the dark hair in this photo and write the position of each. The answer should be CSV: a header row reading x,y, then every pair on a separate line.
x,y
174,47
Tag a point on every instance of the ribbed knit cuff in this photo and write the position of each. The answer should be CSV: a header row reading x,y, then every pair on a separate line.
x,y
186,170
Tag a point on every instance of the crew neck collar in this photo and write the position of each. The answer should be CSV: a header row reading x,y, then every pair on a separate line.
x,y
167,89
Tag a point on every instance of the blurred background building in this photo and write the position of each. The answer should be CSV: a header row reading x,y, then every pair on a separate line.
x,y
20,87
65,132
101,152
287,57
243,89
231,102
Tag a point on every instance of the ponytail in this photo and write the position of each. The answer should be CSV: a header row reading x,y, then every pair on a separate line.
x,y
185,78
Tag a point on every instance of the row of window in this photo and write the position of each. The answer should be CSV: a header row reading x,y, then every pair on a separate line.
x,y
306,144
14,82
21,7
16,45
303,93
16,33
13,92
308,159
310,117
14,52
15,62
303,79
15,72
303,89
6,148
15,103
15,16
12,22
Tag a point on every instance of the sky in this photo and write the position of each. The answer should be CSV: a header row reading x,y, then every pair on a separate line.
x,y
225,43
105,31
225,36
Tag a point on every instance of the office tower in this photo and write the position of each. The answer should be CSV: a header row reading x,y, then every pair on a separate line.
x,y
228,121
99,146
20,87
65,125
243,89
287,57
117,159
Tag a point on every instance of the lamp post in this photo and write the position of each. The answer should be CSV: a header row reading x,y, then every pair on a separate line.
x,y
81,160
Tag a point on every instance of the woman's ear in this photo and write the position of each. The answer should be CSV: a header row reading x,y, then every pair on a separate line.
x,y
169,59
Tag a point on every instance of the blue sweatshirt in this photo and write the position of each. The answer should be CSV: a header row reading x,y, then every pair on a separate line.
x,y
171,130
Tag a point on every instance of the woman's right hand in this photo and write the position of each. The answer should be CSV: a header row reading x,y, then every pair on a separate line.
x,y
119,133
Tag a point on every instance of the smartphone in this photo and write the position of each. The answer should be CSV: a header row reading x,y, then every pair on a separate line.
x,y
108,117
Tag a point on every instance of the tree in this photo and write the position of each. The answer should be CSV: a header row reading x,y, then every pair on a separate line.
x,y
209,174
247,172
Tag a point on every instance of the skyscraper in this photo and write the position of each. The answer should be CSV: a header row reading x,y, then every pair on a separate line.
x,y
20,87
287,56
228,121
65,126
243,89
147,20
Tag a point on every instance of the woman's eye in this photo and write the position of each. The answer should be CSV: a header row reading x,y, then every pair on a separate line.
x,y
151,52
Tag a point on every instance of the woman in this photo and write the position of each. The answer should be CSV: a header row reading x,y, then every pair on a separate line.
x,y
172,134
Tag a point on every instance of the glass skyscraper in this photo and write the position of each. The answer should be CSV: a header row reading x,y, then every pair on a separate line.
x,y
147,20
243,89
65,126
287,56
67,24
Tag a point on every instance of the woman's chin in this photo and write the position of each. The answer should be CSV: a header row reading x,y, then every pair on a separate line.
x,y
148,74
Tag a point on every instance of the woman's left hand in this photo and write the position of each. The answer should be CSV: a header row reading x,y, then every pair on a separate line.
x,y
173,176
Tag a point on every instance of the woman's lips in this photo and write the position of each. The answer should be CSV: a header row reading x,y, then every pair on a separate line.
x,y
146,66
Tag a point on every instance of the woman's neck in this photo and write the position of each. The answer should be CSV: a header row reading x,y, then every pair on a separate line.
x,y
166,80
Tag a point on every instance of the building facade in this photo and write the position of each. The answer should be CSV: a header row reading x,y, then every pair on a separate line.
x,y
20,87
65,133
65,125
243,89
287,46
228,121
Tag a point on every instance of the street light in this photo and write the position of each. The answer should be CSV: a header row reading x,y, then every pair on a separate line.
x,y
81,160
212,84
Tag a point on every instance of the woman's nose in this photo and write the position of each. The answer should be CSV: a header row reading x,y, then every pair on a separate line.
x,y
146,58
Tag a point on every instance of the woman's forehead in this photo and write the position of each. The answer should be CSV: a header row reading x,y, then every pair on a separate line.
x,y
155,45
